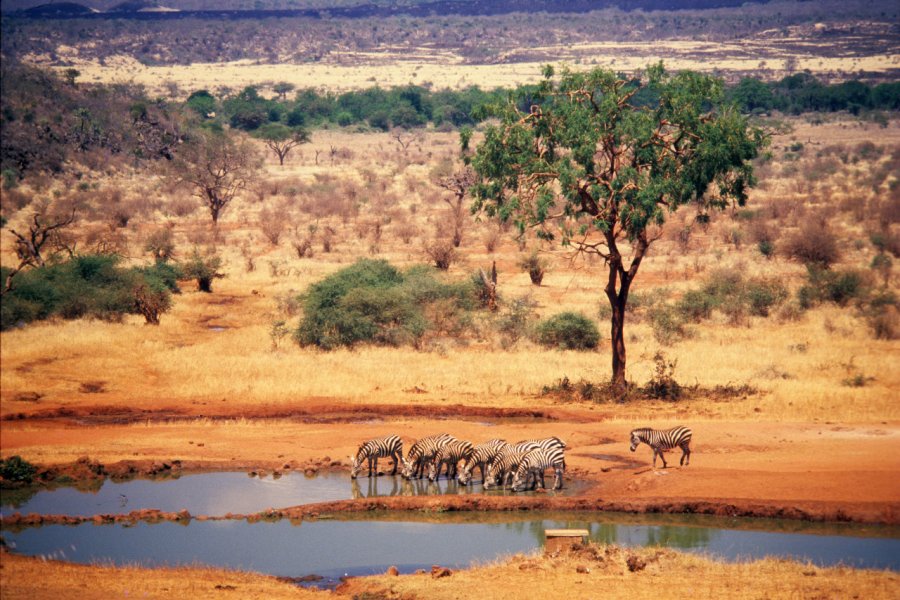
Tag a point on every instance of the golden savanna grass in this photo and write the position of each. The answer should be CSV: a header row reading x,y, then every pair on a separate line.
x,y
442,68
603,572
36,579
598,571
215,348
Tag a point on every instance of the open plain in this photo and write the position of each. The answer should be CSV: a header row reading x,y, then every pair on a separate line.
x,y
795,413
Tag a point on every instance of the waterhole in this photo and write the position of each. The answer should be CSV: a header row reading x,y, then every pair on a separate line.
x,y
336,547
217,494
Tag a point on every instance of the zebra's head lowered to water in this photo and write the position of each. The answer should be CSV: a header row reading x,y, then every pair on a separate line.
x,y
355,466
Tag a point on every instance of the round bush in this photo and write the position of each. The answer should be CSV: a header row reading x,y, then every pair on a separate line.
x,y
568,331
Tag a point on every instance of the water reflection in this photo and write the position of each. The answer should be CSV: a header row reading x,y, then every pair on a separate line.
x,y
362,545
217,494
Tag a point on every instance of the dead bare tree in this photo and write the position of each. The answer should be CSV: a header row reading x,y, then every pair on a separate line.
x,y
30,245
404,138
218,167
457,183
488,291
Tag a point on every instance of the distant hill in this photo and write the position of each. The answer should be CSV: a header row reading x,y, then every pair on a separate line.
x,y
359,9
58,10
140,6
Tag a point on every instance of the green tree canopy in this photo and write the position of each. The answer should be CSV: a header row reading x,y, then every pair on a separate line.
x,y
585,164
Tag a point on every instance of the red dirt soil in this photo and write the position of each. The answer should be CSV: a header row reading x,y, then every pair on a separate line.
x,y
810,471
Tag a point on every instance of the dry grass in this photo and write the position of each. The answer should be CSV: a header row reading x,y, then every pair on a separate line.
x,y
604,571
580,574
215,348
37,579
445,69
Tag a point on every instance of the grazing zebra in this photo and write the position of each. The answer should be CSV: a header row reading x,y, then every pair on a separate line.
x,y
450,453
389,445
482,455
661,441
504,465
535,463
422,453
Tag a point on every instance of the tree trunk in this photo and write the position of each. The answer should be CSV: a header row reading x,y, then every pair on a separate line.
x,y
617,342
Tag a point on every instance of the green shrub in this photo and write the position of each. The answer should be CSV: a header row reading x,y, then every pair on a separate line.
x,y
763,294
668,325
513,321
696,305
372,301
825,285
17,470
202,269
663,386
568,331
86,286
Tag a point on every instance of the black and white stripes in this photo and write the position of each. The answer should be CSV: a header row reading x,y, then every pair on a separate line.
x,y
422,453
372,450
497,459
533,464
661,441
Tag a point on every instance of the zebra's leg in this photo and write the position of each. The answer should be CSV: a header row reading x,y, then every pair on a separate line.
x,y
686,454
396,460
373,462
557,485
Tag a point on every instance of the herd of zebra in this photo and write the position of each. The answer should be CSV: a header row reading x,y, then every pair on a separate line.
x,y
520,466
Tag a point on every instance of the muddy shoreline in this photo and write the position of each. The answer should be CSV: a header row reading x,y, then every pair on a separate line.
x,y
85,471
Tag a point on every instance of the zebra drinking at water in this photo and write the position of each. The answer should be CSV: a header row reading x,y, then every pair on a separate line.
x,y
389,445
505,464
661,441
422,453
450,453
533,466
482,455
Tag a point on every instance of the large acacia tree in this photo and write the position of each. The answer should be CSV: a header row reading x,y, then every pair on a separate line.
x,y
597,160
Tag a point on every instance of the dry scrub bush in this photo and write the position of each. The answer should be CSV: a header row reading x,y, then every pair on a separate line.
x,y
272,223
180,206
404,229
813,243
490,239
15,200
441,251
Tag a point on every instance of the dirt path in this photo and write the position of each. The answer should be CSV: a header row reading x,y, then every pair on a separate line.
x,y
800,470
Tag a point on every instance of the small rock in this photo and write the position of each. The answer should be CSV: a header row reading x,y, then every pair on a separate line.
x,y
582,569
437,572
635,563
393,571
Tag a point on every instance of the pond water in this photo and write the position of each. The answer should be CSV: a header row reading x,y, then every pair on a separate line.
x,y
332,548
217,494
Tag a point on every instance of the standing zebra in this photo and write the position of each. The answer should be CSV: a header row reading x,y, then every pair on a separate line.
x,y
661,441
450,453
506,463
389,445
482,455
535,463
548,442
422,453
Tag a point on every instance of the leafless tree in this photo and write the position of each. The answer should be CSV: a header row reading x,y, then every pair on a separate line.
x,y
456,182
218,167
30,245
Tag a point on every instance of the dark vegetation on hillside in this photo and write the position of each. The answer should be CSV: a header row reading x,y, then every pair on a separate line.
x,y
137,9
59,128
47,120
853,26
